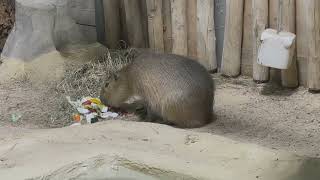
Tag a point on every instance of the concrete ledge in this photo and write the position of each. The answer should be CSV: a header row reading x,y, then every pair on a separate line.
x,y
48,153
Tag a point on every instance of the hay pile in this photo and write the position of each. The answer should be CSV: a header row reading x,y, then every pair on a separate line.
x,y
85,79
39,94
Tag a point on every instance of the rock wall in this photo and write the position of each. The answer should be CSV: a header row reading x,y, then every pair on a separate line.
x,y
83,12
6,20
42,26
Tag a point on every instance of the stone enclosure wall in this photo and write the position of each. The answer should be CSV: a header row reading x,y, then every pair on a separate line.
x,y
6,20
42,26
83,12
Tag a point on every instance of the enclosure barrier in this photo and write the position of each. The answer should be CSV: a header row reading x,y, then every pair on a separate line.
x,y
187,27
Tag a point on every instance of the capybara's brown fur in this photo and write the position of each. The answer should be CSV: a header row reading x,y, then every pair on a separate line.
x,y
172,88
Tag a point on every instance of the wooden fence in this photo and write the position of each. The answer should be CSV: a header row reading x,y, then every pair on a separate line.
x,y
171,26
186,27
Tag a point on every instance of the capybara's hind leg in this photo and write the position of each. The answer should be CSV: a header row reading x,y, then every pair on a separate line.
x,y
187,117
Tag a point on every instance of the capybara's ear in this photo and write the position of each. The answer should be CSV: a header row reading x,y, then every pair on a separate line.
x,y
106,84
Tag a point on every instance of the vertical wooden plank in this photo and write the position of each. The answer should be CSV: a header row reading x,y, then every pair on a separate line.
x,y
99,21
206,45
144,16
123,24
260,23
179,27
167,27
313,28
231,57
134,23
155,24
290,76
275,74
112,23
192,27
246,55
302,41
273,13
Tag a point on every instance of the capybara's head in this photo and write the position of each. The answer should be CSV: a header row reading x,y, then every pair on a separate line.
x,y
116,90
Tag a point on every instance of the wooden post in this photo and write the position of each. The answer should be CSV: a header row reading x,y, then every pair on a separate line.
x,y
275,74
99,21
290,76
247,35
112,23
155,24
260,23
302,40
144,17
134,23
206,45
192,28
179,27
313,28
167,27
123,24
231,57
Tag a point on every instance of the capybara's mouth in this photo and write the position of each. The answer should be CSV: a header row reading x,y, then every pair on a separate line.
x,y
103,100
118,110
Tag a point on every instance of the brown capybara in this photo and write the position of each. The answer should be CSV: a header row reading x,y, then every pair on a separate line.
x,y
171,88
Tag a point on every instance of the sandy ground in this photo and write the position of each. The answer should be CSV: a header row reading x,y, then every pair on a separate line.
x,y
266,115
275,118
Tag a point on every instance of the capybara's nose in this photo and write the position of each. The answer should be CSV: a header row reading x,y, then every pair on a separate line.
x,y
103,100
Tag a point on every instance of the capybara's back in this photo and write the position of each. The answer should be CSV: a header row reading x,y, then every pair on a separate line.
x,y
176,88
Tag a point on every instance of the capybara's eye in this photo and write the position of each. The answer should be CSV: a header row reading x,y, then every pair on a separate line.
x,y
115,77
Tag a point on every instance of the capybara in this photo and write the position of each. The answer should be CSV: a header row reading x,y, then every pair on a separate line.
x,y
170,88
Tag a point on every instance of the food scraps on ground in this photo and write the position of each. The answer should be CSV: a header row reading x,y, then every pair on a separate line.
x,y
91,109
15,117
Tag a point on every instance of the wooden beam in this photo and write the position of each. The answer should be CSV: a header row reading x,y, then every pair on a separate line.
x,y
303,31
155,25
313,28
167,27
179,27
206,39
289,76
247,35
112,23
192,27
275,74
231,57
260,23
134,23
